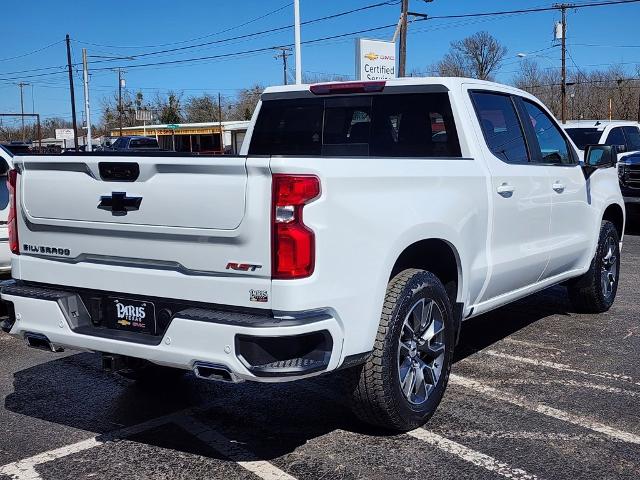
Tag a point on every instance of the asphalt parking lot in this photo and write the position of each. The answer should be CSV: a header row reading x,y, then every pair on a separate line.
x,y
537,391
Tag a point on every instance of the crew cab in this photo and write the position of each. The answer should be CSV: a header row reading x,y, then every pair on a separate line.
x,y
361,224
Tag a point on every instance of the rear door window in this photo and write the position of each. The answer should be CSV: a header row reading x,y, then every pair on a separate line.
x,y
391,125
501,127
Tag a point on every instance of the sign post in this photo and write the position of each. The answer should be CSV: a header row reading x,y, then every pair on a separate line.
x,y
173,127
65,134
375,59
143,115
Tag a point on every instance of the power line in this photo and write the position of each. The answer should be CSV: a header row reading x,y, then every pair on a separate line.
x,y
254,34
332,37
6,59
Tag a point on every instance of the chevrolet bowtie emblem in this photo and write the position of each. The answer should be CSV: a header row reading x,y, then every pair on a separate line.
x,y
372,56
119,204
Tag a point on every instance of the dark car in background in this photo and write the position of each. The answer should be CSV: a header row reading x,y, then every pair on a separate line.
x,y
629,175
134,144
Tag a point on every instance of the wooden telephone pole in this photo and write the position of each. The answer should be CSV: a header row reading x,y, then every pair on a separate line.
x,y
73,95
563,85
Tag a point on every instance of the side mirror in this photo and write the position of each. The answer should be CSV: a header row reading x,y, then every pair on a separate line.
x,y
600,156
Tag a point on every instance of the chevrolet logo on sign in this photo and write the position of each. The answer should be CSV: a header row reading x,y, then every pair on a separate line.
x,y
372,56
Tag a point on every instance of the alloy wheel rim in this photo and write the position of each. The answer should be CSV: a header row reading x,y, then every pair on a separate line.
x,y
421,351
609,269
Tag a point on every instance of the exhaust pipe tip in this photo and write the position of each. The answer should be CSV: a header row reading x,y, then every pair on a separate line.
x,y
41,342
214,373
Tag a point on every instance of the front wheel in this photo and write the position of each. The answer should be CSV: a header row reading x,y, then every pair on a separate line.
x,y
595,291
404,378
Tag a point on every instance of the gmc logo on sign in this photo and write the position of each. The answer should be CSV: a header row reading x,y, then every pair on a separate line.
x,y
243,267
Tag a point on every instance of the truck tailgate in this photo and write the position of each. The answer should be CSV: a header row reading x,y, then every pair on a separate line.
x,y
190,216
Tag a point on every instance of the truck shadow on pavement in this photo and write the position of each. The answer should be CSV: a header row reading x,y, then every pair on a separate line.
x,y
270,420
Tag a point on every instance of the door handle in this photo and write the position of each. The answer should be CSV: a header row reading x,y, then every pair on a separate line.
x,y
505,190
558,187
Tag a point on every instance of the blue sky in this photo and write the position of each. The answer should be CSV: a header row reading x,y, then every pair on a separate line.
x,y
111,28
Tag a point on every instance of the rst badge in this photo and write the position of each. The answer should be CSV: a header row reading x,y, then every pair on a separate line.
x,y
243,267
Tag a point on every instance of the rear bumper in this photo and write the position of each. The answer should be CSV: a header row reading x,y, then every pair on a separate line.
x,y
281,347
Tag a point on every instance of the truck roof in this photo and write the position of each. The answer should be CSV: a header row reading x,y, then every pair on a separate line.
x,y
599,124
451,83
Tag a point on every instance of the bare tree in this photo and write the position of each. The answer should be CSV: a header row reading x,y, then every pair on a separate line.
x,y
203,108
245,103
477,56
169,108
589,92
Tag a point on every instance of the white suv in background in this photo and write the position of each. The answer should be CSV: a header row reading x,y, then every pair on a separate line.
x,y
6,163
625,135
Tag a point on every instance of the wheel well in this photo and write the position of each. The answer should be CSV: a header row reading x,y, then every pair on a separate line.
x,y
436,256
614,214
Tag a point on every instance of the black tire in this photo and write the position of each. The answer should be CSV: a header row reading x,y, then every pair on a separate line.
x,y
375,387
589,293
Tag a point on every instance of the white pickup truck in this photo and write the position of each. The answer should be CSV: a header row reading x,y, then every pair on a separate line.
x,y
361,225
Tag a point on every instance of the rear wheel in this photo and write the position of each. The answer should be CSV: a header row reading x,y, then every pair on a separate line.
x,y
595,291
402,382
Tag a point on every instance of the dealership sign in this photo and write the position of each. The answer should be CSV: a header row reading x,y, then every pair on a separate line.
x,y
375,59
64,134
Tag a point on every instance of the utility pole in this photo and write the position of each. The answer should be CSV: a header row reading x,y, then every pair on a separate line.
x,y
296,14
220,121
73,95
404,30
87,109
403,38
284,53
22,85
121,83
563,85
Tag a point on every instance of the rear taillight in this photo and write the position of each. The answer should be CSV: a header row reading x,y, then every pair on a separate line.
x,y
12,223
293,243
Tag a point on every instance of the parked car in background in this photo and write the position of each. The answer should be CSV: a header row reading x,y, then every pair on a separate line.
x,y
15,148
6,163
134,144
629,175
624,135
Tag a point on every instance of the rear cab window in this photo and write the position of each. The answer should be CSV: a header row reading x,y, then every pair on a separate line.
x,y
386,125
584,136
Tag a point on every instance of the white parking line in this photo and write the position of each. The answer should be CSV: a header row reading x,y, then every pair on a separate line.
x,y
448,446
572,383
556,413
233,451
25,469
562,367
527,435
531,344
472,456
